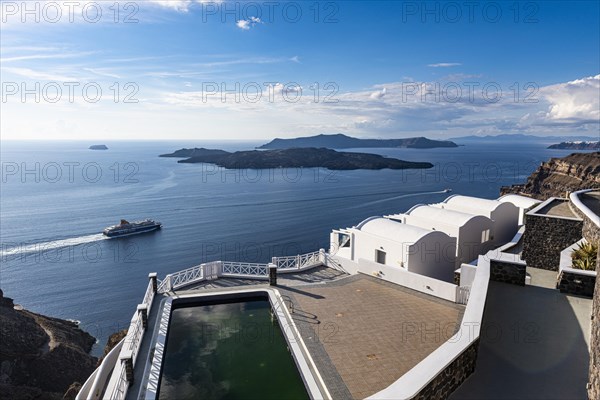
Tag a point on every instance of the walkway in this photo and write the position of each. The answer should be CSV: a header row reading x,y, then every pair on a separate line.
x,y
534,343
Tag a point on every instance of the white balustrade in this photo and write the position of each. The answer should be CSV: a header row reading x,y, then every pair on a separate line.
x,y
234,269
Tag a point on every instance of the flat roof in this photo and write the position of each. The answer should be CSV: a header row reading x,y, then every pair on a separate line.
x,y
557,208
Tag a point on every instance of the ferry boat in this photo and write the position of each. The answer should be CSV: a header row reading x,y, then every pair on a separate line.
x,y
126,228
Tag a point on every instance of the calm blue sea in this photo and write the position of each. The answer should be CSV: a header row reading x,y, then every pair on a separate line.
x,y
57,197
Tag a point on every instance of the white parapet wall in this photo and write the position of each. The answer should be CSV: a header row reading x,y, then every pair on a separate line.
x,y
574,197
410,280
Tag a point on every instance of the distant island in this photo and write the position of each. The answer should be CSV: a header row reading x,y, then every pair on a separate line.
x,y
294,158
518,138
98,147
195,152
579,145
341,141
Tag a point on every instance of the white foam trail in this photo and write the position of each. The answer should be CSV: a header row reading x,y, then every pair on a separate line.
x,y
12,249
398,197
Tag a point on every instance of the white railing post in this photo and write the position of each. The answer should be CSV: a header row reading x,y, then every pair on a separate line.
x,y
272,272
298,261
152,277
127,363
142,310
275,261
323,257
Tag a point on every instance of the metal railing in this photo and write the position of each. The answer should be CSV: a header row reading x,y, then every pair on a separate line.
x,y
462,294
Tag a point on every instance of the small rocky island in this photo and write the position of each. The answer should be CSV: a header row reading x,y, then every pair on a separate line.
x,y
341,141
98,147
294,158
41,357
579,145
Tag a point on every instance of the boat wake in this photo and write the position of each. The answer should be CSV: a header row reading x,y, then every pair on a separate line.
x,y
14,249
400,197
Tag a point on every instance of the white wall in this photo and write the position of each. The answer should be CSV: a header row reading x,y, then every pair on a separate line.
x,y
365,245
468,236
434,256
469,241
424,284
506,223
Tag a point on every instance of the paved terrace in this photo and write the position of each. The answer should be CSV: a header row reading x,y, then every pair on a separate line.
x,y
534,343
558,208
363,333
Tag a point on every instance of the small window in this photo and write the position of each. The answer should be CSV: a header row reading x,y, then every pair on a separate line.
x,y
380,256
485,236
344,240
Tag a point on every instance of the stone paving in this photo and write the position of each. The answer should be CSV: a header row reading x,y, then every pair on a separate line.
x,y
365,333
558,208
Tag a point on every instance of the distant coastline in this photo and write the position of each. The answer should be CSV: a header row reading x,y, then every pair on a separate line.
x,y
579,145
341,141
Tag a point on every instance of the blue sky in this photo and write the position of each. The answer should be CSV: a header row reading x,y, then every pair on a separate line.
x,y
369,69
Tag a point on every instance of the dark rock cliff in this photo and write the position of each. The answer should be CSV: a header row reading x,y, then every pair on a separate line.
x,y
560,175
40,357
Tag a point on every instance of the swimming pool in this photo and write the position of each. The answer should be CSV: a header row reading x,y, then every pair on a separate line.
x,y
230,346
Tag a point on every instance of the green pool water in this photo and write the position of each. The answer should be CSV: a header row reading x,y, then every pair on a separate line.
x,y
228,351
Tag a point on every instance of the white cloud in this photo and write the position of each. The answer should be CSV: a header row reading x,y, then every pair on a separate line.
x,y
243,24
38,75
444,65
378,94
246,24
177,5
578,99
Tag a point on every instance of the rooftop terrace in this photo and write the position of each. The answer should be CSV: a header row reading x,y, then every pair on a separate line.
x,y
351,325
534,343
365,333
557,208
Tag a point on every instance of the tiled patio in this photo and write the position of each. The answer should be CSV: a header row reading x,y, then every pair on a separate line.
x,y
365,333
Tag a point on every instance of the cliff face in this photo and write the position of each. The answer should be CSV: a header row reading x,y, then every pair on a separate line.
x,y
559,175
40,357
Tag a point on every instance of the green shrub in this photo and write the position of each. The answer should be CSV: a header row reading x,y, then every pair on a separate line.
x,y
585,256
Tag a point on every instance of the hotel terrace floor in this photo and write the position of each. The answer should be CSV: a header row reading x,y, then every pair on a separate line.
x,y
363,333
